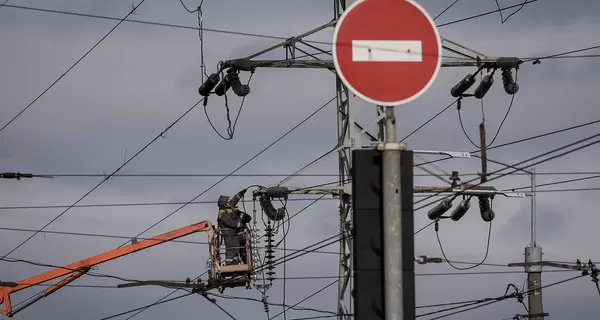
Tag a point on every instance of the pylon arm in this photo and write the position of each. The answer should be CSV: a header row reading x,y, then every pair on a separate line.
x,y
79,268
468,189
574,266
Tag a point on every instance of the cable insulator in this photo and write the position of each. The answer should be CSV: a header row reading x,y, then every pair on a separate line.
x,y
510,86
210,83
238,88
441,208
269,253
485,209
462,86
484,86
461,209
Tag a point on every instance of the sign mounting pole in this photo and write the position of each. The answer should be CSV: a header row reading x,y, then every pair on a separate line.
x,y
388,53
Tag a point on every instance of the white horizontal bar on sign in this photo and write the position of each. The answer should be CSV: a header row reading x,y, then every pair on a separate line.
x,y
387,51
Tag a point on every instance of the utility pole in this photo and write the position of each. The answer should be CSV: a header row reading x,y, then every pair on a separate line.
x,y
302,54
533,255
392,220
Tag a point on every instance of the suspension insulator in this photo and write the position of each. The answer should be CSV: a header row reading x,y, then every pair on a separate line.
x,y
510,86
269,253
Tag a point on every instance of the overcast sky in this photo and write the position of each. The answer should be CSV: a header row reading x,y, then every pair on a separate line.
x,y
142,78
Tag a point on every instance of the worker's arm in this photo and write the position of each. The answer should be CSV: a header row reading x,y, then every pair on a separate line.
x,y
234,201
230,218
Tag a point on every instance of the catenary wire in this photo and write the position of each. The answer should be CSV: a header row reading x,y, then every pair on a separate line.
x,y
529,160
502,19
563,54
106,178
485,14
501,298
487,250
428,121
516,165
72,66
164,299
254,175
132,204
240,166
228,31
447,8
108,236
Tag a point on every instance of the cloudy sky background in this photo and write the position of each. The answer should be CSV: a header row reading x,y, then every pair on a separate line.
x,y
141,78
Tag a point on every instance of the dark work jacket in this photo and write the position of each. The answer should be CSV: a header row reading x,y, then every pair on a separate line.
x,y
230,221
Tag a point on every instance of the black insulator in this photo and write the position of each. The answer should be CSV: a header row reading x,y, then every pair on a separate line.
x,y
441,208
210,83
277,192
484,86
462,86
460,210
222,87
269,209
485,209
238,88
508,62
510,86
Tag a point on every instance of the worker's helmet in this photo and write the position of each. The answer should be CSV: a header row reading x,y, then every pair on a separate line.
x,y
222,201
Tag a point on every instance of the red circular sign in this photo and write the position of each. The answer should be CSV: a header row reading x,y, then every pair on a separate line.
x,y
388,52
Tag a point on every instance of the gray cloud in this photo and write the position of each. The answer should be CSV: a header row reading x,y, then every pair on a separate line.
x,y
143,77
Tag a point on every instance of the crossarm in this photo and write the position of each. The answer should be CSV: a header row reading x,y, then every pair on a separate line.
x,y
76,269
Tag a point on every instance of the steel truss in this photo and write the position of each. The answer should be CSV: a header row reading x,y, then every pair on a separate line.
x,y
301,53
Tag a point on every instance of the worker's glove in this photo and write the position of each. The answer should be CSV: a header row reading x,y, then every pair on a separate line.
x,y
246,218
242,193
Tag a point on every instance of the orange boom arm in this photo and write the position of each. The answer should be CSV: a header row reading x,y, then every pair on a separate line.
x,y
79,268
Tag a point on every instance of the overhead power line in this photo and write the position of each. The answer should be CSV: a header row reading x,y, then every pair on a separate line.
x,y
249,175
107,177
515,170
196,28
72,66
108,236
240,166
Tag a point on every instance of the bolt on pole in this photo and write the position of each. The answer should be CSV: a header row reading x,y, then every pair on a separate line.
x,y
392,221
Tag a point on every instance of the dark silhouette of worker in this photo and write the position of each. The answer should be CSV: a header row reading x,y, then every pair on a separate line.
x,y
232,224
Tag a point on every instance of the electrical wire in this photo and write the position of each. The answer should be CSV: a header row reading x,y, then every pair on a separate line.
x,y
240,166
141,309
488,301
270,303
319,244
308,297
108,236
253,175
428,121
485,14
562,54
525,161
502,20
516,165
542,135
229,31
131,204
512,99
447,8
72,66
93,274
106,178
487,249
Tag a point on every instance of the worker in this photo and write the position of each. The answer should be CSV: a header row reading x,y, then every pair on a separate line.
x,y
232,223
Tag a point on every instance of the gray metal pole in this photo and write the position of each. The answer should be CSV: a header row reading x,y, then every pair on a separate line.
x,y
533,254
392,210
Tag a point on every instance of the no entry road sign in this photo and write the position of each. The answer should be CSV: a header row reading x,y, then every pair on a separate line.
x,y
388,52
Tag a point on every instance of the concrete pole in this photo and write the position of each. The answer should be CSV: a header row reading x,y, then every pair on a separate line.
x,y
533,254
392,212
